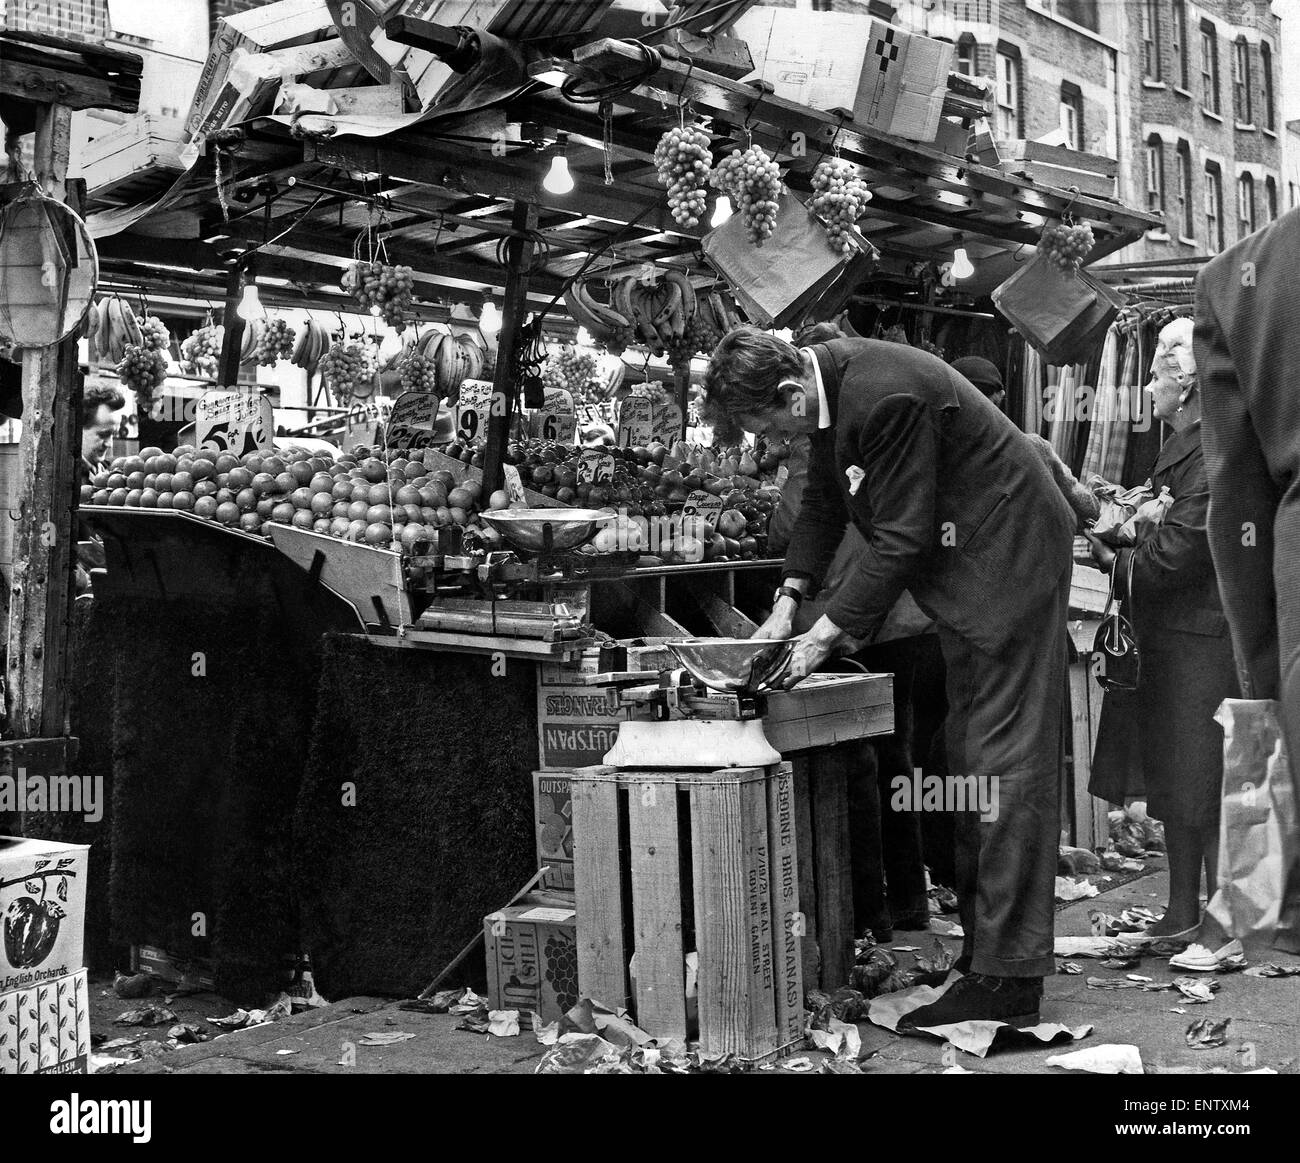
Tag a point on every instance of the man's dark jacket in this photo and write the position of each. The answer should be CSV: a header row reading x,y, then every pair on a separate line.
x,y
955,504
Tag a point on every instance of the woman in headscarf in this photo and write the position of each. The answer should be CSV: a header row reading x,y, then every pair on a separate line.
x,y
1187,666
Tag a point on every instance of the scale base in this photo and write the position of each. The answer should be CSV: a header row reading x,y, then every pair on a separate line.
x,y
692,743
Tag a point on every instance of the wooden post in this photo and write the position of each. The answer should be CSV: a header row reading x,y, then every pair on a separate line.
x,y
682,376
42,581
505,388
233,335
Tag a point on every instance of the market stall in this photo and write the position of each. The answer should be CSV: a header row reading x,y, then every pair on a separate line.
x,y
496,600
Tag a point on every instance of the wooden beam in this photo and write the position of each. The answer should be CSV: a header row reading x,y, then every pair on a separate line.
x,y
42,587
505,384
232,340
43,71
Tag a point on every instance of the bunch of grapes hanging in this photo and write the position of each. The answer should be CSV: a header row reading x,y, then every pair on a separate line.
x,y
752,181
156,335
201,351
840,198
419,373
384,289
341,367
142,369
683,159
275,342
569,368
1066,244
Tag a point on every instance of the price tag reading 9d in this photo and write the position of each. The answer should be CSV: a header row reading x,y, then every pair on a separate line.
x,y
473,409
636,422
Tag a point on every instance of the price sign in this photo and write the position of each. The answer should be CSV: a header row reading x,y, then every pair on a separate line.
x,y
411,423
236,422
514,484
366,422
702,504
636,422
668,422
473,408
595,467
556,419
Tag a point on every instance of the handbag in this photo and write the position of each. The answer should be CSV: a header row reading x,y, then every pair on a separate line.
x,y
1121,664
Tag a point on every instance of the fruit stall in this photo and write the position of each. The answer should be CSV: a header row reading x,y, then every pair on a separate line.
x,y
420,495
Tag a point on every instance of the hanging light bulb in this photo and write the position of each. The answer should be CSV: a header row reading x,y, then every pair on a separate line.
x,y
721,211
558,179
250,306
489,320
962,267
584,338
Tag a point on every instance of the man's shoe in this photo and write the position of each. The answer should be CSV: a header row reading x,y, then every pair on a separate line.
x,y
980,997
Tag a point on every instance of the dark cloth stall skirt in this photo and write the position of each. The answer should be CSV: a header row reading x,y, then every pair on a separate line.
x,y
1184,679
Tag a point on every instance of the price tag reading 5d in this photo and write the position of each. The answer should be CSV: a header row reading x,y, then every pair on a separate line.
x,y
236,422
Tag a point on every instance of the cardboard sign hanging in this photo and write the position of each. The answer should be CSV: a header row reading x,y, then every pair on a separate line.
x,y
636,424
473,408
412,421
366,422
235,422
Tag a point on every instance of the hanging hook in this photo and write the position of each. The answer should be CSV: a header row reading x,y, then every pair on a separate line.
x,y
763,88
1066,216
683,101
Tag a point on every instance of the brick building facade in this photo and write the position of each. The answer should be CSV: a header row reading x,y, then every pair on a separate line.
x,y
1205,122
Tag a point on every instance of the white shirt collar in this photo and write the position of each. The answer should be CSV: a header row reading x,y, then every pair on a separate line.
x,y
823,404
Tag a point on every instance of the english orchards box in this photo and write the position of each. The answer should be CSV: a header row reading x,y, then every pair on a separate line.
x,y
42,910
45,1028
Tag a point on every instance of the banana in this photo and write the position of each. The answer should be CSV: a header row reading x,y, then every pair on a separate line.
x,y
116,345
475,356
582,314
445,360
682,281
131,327
621,298
733,312
248,344
670,298
610,317
300,346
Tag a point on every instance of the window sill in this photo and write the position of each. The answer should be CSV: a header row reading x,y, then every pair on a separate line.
x,y
1211,115
1183,92
1147,83
1243,126
1186,241
1271,132
1158,236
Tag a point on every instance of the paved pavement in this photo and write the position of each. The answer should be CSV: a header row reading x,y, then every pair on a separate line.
x,y
1265,1029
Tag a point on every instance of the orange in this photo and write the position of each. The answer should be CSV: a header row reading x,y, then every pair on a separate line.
x,y
228,513
183,500
378,534
205,507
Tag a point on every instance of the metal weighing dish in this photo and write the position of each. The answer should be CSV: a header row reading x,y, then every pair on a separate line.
x,y
734,665
529,528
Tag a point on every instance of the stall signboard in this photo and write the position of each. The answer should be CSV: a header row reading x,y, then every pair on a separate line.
x,y
556,419
666,425
366,422
234,422
636,422
595,467
706,506
473,407
412,421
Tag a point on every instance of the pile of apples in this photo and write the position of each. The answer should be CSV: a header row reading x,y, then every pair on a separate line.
x,y
355,497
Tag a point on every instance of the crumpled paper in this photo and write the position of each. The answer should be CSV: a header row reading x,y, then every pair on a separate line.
x,y
888,1009
1075,890
1099,947
1206,1033
976,1037
1108,1058
150,1015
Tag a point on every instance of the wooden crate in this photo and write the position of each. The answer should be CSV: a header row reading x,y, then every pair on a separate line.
x,y
1055,165
140,157
670,861
821,806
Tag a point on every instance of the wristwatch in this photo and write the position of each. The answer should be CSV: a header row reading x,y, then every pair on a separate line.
x,y
788,592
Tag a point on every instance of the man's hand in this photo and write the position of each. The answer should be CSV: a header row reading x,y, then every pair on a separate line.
x,y
811,650
1102,553
780,622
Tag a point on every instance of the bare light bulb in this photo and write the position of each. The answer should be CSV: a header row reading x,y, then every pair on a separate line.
x,y
584,339
250,306
721,211
558,179
489,319
962,267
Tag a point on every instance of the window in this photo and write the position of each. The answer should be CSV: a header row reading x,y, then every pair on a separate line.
x,y
1072,114
1209,68
1150,41
1266,73
1241,82
1186,216
1245,205
1213,208
1155,175
966,55
1179,33
1008,96
1270,198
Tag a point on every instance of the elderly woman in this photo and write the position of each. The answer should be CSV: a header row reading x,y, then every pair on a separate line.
x,y
1186,652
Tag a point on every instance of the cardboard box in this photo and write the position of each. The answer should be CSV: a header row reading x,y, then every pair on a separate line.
x,y
592,660
532,960
42,910
816,58
45,1027
280,25
553,824
953,138
576,724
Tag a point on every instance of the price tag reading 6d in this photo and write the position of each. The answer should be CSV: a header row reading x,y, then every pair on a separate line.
x,y
555,419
